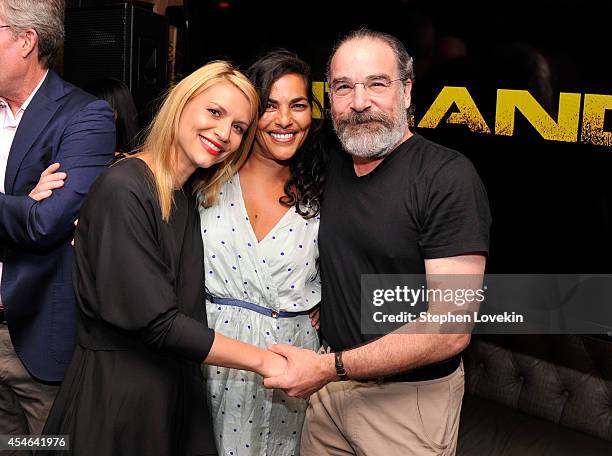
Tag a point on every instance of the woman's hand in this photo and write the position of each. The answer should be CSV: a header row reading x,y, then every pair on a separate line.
x,y
314,315
49,180
273,365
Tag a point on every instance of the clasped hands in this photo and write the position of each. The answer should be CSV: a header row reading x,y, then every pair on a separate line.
x,y
297,371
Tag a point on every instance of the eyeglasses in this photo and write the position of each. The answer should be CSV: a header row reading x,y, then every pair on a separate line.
x,y
375,86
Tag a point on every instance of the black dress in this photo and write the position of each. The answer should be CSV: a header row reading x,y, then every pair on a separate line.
x,y
134,385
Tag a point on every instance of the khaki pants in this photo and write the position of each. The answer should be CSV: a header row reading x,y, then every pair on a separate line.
x,y
411,418
24,402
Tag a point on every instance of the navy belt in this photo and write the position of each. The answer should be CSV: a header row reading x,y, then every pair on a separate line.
x,y
254,307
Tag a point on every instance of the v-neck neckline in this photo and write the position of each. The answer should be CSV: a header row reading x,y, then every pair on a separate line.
x,y
246,215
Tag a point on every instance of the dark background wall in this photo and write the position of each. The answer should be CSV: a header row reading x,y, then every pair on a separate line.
x,y
551,201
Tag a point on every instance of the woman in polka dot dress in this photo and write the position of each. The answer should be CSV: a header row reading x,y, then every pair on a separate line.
x,y
260,255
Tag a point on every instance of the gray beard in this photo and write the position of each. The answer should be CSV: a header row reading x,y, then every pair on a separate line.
x,y
371,135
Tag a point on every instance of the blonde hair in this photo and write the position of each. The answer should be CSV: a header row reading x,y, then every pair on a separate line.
x,y
163,131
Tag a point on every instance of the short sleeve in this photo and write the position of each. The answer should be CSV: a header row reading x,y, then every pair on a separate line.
x,y
456,216
134,284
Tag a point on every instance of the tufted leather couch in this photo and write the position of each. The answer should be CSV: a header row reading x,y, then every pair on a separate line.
x,y
537,395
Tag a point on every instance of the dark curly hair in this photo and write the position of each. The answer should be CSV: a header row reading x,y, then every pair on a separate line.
x,y
308,163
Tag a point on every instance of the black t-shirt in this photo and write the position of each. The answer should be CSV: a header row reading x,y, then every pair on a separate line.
x,y
423,201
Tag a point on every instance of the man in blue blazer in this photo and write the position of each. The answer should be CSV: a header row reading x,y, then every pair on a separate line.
x,y
43,120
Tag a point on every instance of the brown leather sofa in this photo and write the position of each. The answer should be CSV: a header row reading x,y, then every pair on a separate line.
x,y
537,395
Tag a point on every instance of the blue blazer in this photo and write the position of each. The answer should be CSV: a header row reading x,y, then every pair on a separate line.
x,y
66,125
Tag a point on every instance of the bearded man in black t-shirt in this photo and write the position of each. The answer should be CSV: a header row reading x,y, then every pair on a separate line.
x,y
395,203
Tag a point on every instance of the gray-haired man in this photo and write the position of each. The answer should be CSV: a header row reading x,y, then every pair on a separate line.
x,y
43,120
395,203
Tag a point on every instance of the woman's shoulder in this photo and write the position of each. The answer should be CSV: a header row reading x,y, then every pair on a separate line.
x,y
229,194
128,168
129,176
127,173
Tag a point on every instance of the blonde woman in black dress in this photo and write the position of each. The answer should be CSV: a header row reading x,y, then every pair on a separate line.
x,y
134,384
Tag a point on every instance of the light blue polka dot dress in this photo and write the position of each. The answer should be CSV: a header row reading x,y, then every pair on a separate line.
x,y
279,273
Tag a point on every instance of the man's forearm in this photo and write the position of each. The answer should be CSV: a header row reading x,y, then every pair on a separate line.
x,y
396,353
399,352
86,148
28,225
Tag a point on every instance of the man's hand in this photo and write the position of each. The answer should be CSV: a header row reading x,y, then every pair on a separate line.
x,y
49,180
314,315
307,372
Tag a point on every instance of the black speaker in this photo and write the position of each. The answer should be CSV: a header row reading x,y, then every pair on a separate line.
x,y
122,41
